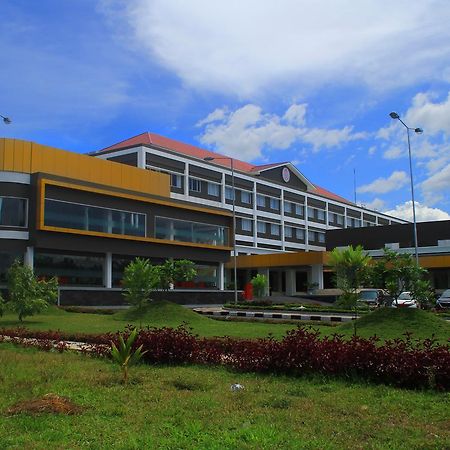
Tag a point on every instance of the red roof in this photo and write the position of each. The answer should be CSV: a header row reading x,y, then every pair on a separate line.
x,y
197,152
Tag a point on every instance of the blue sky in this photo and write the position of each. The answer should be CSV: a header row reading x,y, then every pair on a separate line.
x,y
288,80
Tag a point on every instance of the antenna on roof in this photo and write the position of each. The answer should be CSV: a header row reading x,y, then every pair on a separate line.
x,y
354,183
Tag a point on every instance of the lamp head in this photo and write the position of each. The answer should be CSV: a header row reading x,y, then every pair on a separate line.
x,y
394,115
208,158
418,130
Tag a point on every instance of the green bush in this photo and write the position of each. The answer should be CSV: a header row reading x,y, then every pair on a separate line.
x,y
259,283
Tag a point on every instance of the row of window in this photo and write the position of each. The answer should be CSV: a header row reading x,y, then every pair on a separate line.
x,y
187,231
273,203
290,232
77,216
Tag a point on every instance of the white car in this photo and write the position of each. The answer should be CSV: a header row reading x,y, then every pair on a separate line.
x,y
405,300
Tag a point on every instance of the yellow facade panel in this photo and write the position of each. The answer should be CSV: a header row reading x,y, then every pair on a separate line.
x,y
27,157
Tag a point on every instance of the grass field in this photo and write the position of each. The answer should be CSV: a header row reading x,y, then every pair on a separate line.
x,y
193,408
157,314
388,323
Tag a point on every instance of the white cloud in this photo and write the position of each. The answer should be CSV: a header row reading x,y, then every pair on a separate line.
x,y
247,131
423,213
372,150
433,117
384,185
437,186
394,152
216,115
319,137
296,114
376,204
244,47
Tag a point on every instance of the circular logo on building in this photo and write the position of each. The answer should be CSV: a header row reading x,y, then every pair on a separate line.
x,y
286,174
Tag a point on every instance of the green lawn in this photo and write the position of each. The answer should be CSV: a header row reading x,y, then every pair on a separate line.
x,y
388,323
193,408
158,314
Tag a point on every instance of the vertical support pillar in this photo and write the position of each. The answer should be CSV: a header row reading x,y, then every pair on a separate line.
x,y
141,158
221,276
28,258
291,283
317,275
107,271
265,272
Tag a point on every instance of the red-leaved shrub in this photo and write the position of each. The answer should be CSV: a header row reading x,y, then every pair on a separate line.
x,y
401,362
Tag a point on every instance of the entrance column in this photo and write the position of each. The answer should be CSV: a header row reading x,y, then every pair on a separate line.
x,y
107,271
28,259
221,276
291,285
317,275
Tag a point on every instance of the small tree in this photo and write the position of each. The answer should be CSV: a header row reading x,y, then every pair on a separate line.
x,y
175,270
350,266
26,294
259,283
140,279
398,272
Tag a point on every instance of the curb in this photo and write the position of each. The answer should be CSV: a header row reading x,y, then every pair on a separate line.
x,y
272,315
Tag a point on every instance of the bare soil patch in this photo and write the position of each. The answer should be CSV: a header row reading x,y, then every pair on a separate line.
x,y
48,403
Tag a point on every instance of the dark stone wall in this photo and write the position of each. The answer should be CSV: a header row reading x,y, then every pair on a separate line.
x,y
110,297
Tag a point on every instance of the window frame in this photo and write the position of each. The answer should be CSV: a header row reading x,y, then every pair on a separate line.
x,y
26,212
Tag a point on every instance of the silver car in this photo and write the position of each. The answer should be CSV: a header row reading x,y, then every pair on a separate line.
x,y
443,302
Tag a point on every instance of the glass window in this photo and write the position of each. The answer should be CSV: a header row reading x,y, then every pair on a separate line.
x,y
260,200
288,232
287,207
321,237
93,218
71,270
246,197
246,224
274,229
261,227
213,189
229,193
311,236
206,278
340,219
185,231
310,212
13,212
274,203
300,233
321,214
299,210
176,180
195,185
6,261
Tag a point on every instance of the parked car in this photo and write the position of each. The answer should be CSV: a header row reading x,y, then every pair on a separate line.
x,y
443,302
371,297
405,300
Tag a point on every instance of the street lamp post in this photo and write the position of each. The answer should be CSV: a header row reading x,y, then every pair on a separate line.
x,y
212,158
6,120
394,115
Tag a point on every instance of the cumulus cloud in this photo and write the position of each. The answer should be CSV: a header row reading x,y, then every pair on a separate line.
x,y
384,185
423,213
247,131
429,115
437,186
243,47
376,204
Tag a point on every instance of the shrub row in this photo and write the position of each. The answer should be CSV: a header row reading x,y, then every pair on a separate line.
x,y
402,362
